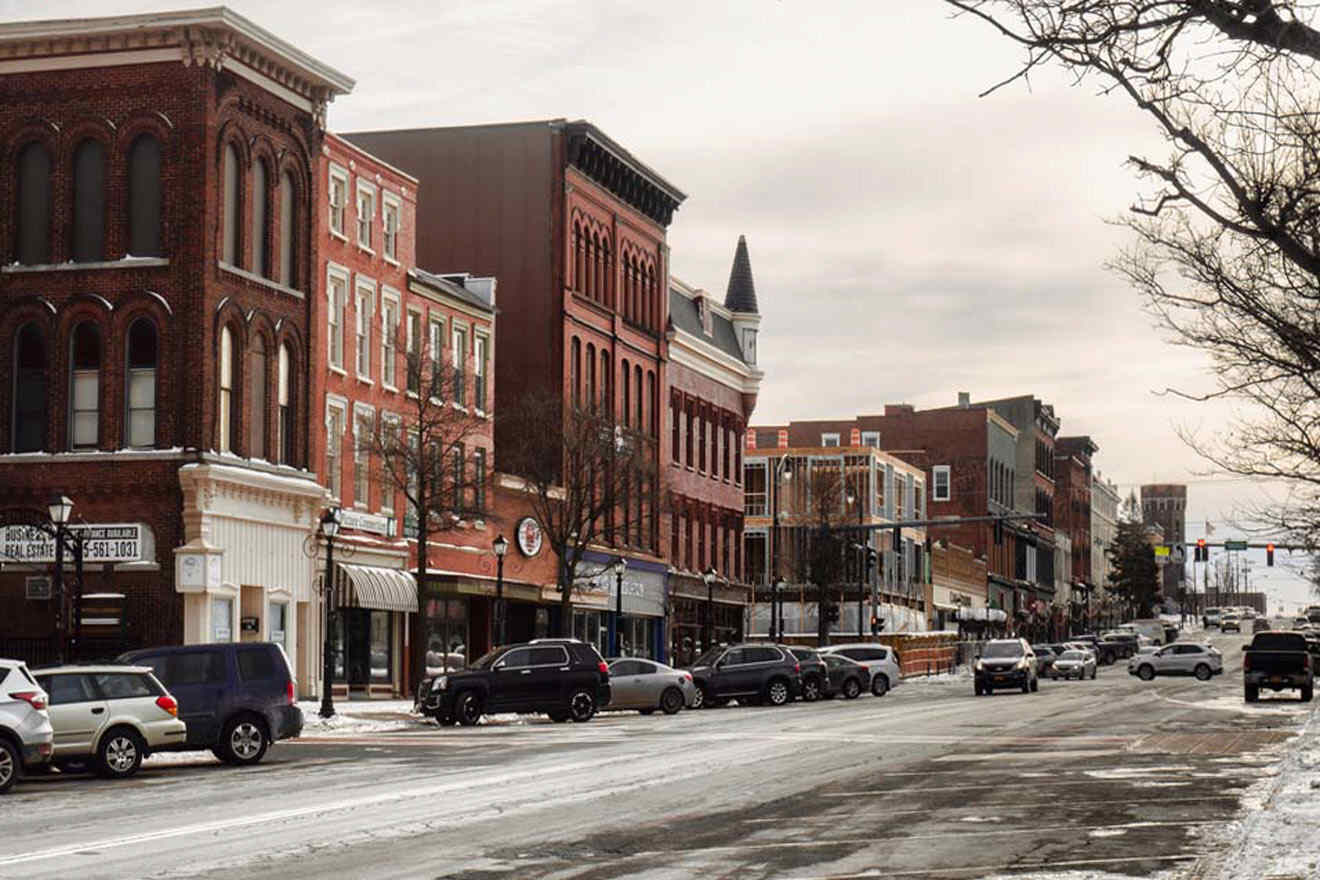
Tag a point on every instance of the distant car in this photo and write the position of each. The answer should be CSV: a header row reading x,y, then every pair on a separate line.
x,y
1074,664
847,677
1180,658
110,716
26,737
1313,613
1045,657
813,672
1006,663
1146,626
1230,622
236,698
1125,643
1260,624
1301,624
1211,617
645,685
749,673
881,661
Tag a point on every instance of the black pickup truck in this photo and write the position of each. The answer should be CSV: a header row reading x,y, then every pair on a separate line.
x,y
1277,660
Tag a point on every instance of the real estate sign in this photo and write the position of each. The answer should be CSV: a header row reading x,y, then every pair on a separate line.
x,y
115,542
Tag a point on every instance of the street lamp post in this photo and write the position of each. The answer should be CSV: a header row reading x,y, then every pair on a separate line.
x,y
787,474
620,566
709,576
59,509
329,528
501,546
778,602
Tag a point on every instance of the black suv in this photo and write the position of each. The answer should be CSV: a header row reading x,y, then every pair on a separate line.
x,y
749,673
563,678
1006,663
815,674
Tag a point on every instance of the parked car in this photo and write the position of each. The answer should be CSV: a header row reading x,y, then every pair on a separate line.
x,y
1313,613
1074,664
1147,627
26,736
645,685
109,716
1006,663
881,661
235,698
1260,624
562,678
748,673
1230,622
1124,642
1210,617
847,677
1301,624
1277,660
814,673
1105,653
1045,657
1180,658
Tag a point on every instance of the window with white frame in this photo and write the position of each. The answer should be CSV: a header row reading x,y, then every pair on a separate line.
x,y
334,440
277,618
389,326
337,294
366,212
366,301
480,347
940,487
362,424
437,348
390,223
829,439
459,346
391,434
338,200
871,438
414,343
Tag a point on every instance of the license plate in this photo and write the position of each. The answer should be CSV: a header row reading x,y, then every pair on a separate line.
x,y
1276,679
1001,678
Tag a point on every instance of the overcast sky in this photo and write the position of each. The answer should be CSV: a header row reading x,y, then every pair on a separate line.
x,y
909,240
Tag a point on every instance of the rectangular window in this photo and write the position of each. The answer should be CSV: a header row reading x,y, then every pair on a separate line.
x,y
940,483
334,431
336,293
675,439
338,200
460,363
700,440
366,213
437,365
715,448
390,221
222,620
362,460
456,463
829,439
481,346
871,438
365,301
389,325
413,354
479,479
142,407
86,407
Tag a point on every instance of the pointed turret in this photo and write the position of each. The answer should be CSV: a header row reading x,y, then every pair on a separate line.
x,y
741,296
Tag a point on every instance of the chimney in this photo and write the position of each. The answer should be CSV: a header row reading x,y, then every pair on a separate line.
x,y
964,400
783,438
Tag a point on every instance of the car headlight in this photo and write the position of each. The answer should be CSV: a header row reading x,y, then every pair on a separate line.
x,y
979,667
1023,663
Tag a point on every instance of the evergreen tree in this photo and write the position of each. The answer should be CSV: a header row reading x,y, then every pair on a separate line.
x,y
1134,576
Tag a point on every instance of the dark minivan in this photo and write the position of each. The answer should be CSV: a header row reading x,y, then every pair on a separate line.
x,y
235,698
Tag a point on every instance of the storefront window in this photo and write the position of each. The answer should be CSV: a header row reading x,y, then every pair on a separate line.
x,y
278,618
222,620
381,645
363,645
446,635
587,627
637,637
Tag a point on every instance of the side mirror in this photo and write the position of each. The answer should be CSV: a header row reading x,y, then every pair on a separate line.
x,y
499,665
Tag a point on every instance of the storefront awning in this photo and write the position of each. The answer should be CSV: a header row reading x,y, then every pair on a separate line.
x,y
369,586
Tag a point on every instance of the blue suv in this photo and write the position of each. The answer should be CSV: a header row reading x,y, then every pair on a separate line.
x,y
235,698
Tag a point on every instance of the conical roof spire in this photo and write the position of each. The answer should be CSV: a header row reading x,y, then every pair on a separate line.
x,y
741,296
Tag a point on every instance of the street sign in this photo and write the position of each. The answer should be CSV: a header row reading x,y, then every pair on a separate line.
x,y
1235,545
117,542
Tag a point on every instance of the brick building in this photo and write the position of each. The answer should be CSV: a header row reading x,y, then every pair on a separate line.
x,y
1165,505
157,272
574,227
957,577
1072,510
713,384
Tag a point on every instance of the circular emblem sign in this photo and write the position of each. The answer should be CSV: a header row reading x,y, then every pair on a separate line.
x,y
529,536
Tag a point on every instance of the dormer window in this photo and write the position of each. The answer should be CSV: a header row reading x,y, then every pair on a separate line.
x,y
749,345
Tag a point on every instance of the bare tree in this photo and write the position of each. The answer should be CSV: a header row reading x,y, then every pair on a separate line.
x,y
822,558
1227,231
588,480
433,450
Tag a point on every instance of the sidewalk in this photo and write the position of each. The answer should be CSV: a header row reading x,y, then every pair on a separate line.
x,y
358,716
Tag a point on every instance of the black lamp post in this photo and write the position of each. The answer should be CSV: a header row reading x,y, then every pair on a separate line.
x,y
787,474
778,603
59,509
501,546
709,576
329,528
620,566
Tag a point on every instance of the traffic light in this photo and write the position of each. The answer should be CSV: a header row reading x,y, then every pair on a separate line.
x,y
999,531
1202,551
876,625
1269,554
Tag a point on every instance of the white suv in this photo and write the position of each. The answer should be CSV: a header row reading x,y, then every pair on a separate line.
x,y
1180,658
112,716
25,731
881,662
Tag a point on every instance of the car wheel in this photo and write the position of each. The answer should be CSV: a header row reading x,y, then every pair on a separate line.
x,y
9,764
702,699
468,708
1202,672
852,688
445,720
243,741
119,754
1145,672
777,692
1250,694
581,706
880,685
1026,687
978,689
810,689
1306,694
671,701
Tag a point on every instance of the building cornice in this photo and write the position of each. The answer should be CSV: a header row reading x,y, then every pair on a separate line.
x,y
702,357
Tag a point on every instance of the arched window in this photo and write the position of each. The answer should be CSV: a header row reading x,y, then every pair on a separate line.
x,y
224,425
287,230
229,249
626,392
284,428
591,376
32,241
89,202
143,357
85,387
260,179
578,263
144,197
256,405
29,390
606,275
593,245
575,371
606,402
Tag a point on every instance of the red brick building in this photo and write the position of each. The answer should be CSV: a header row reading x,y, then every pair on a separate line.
x,y
157,281
574,227
1072,502
713,384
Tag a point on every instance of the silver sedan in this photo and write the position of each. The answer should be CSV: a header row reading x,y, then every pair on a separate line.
x,y
646,685
1074,664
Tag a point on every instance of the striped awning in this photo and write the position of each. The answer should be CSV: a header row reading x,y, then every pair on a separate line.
x,y
369,586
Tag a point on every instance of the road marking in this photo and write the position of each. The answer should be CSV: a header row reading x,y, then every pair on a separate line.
x,y
1015,867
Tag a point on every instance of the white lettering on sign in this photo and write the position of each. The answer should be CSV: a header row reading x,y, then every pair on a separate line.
x,y
120,542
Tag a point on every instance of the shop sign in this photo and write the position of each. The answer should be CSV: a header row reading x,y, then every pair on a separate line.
x,y
366,522
529,536
119,542
643,583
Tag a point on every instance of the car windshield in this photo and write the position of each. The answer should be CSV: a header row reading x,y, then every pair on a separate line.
x,y
484,661
1002,649
1072,655
708,658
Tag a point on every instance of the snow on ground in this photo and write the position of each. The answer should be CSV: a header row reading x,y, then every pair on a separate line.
x,y
179,759
358,716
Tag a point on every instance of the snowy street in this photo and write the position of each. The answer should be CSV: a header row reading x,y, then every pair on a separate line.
x,y
1115,776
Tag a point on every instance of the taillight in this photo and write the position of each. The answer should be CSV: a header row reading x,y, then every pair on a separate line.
x,y
288,691
604,669
167,703
797,667
1246,662
688,676
35,699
